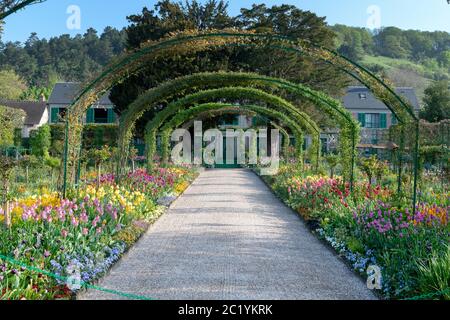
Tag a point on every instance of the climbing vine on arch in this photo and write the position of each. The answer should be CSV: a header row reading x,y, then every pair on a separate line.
x,y
234,93
349,127
194,41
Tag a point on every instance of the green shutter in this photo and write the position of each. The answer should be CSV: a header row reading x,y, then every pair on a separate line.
x,y
90,116
111,116
54,115
383,122
362,119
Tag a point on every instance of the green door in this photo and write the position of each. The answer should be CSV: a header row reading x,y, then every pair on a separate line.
x,y
226,165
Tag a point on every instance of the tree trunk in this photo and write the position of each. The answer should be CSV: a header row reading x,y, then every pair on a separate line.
x,y
27,174
7,215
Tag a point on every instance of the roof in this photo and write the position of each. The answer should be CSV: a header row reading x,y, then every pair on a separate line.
x,y
354,100
65,93
34,109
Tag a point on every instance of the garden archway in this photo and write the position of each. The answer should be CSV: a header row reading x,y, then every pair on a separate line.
x,y
192,112
214,113
194,41
349,126
304,121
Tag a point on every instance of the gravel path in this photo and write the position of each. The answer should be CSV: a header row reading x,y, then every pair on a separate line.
x,y
228,237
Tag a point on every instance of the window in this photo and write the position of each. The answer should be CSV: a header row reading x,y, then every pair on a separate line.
x,y
100,116
372,120
363,96
57,114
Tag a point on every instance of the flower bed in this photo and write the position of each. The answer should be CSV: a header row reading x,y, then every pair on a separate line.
x,y
369,226
88,232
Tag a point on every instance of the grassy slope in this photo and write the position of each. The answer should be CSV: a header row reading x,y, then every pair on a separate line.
x,y
403,73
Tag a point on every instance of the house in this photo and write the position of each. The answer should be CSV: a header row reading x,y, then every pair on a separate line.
x,y
374,116
370,111
36,113
62,97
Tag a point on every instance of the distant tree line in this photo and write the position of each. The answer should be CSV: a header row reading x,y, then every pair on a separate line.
x,y
40,62
431,49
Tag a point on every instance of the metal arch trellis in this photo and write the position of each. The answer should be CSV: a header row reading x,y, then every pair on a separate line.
x,y
129,64
285,38
167,89
303,119
194,111
124,65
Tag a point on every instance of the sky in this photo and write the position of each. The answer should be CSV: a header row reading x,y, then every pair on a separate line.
x,y
56,17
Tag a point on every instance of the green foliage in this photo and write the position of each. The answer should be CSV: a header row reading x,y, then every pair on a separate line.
x,y
170,17
40,61
408,58
164,92
392,42
37,93
40,141
52,162
432,154
100,155
243,95
10,120
434,274
437,102
11,85
193,42
332,161
369,166
373,167
29,161
17,137
355,245
7,164
353,42
94,136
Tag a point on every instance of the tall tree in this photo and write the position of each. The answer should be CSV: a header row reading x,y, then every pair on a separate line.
x,y
10,120
391,42
12,87
169,16
437,102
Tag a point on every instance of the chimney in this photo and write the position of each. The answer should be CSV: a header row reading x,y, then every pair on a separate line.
x,y
42,98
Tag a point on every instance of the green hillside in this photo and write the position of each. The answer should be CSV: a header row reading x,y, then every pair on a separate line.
x,y
403,72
